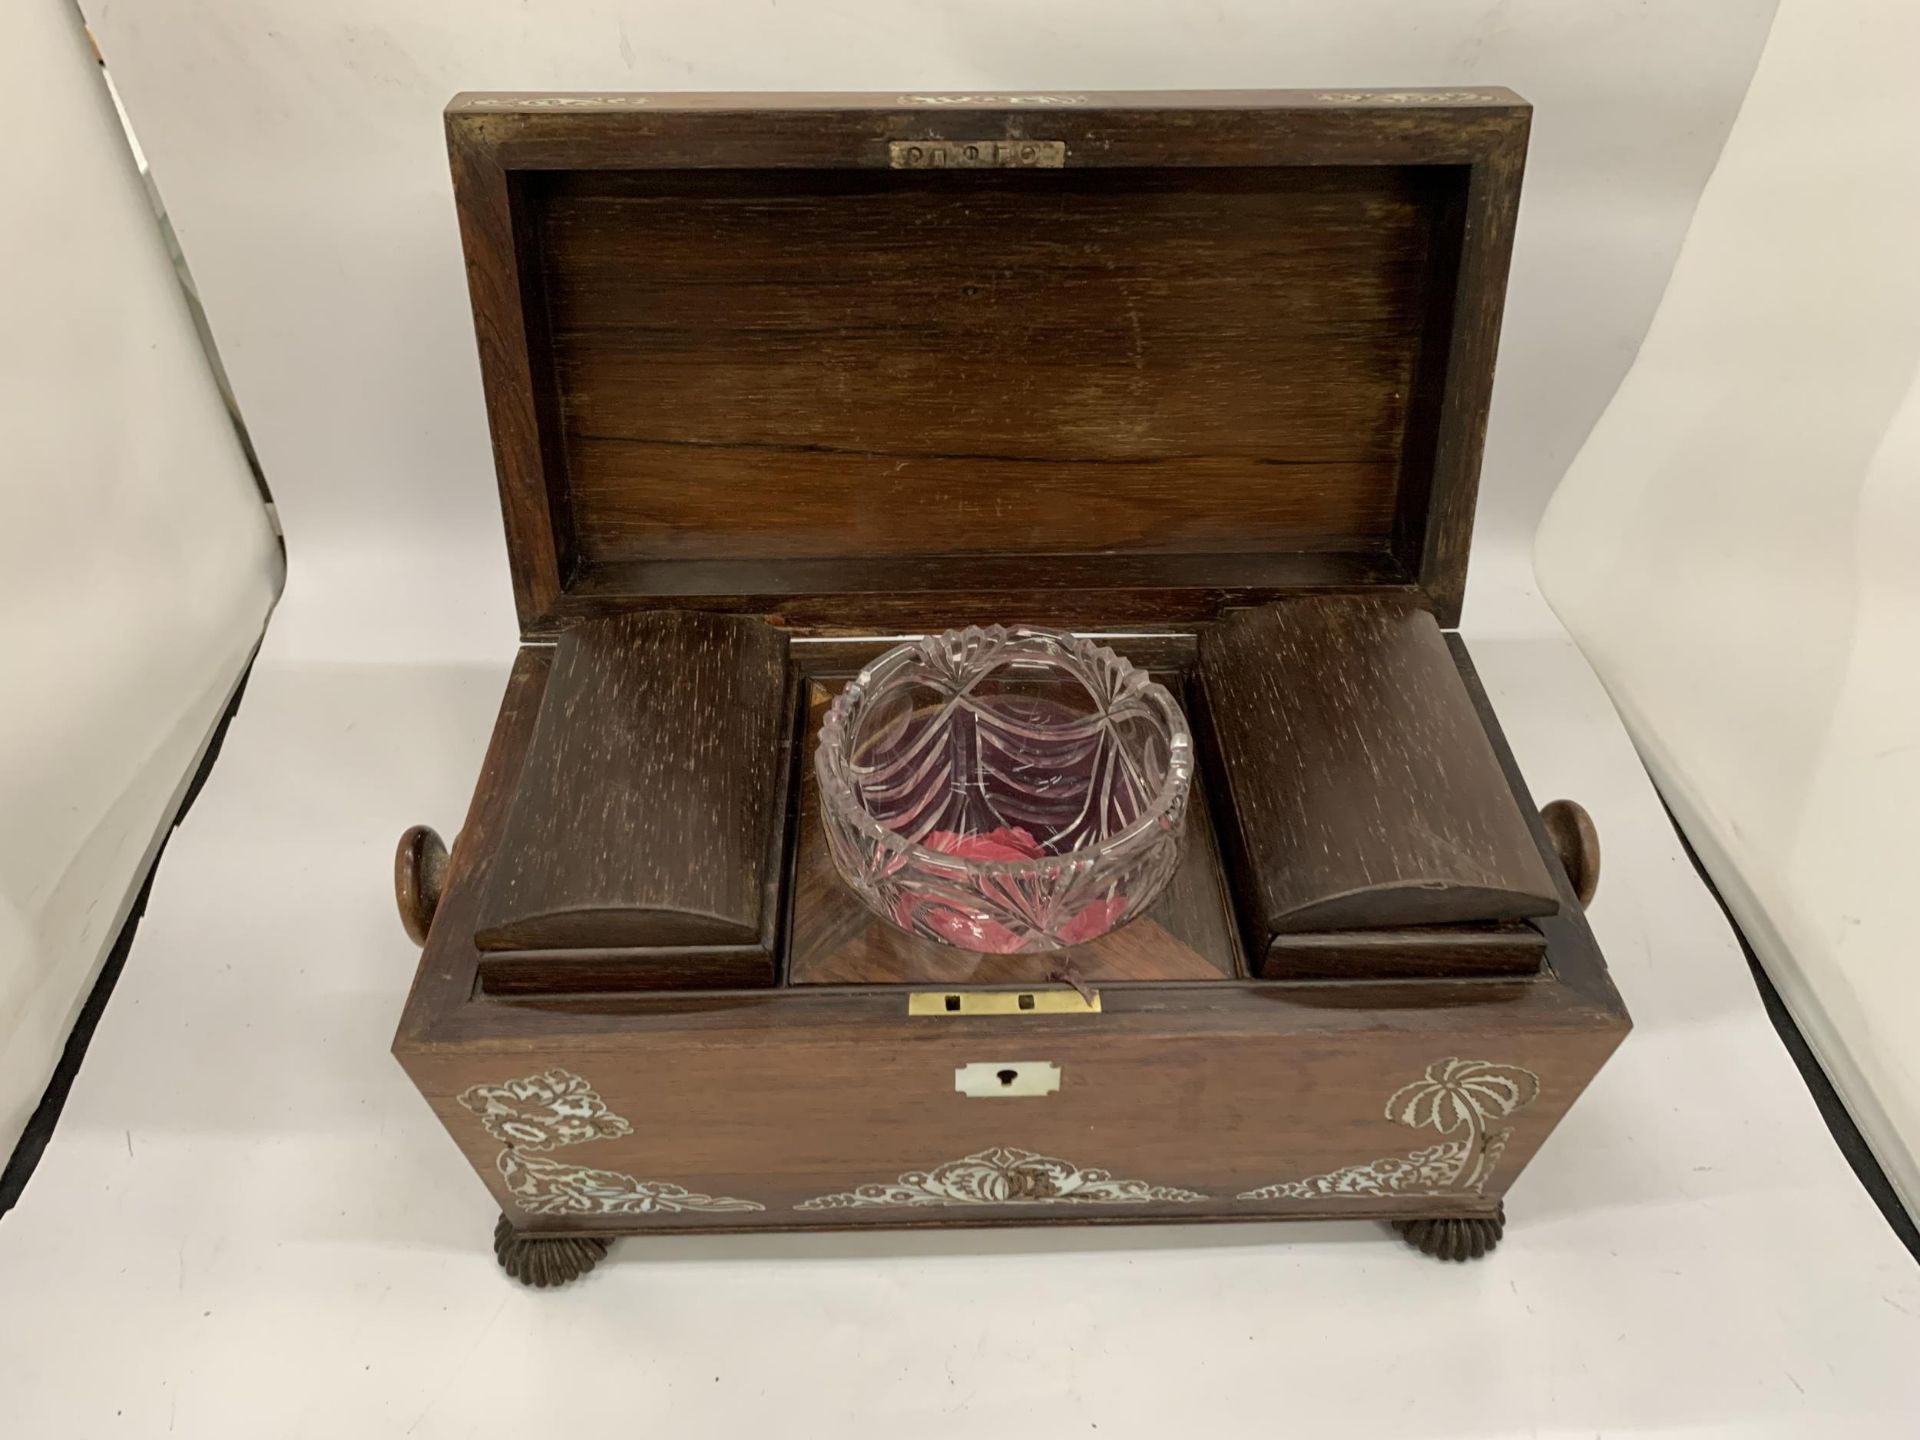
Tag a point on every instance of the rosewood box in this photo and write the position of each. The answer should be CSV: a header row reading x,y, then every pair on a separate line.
x,y
775,380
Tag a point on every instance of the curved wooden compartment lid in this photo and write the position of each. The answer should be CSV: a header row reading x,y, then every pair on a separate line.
x,y
1363,793
644,842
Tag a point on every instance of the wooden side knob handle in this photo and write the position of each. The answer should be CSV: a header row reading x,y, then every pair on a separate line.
x,y
419,875
1577,843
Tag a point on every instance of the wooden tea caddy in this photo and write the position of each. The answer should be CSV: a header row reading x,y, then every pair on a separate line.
x,y
774,380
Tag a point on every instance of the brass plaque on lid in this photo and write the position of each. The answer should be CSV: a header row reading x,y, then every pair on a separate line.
x,y
977,154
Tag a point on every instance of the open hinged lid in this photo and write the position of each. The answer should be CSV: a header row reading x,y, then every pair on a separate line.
x,y
910,360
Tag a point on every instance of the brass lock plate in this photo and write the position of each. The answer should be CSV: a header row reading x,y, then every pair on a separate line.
x,y
1002,1002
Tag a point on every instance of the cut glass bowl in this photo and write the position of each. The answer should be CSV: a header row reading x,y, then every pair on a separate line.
x,y
1006,789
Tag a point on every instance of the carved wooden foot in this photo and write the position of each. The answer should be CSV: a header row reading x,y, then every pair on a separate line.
x,y
544,1262
1455,1238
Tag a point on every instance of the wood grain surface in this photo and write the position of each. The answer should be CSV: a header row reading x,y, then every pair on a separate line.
x,y
734,359
822,363
1362,791
781,1096
650,813
1236,350
1459,951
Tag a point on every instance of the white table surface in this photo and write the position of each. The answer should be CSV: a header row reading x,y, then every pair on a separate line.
x,y
249,1225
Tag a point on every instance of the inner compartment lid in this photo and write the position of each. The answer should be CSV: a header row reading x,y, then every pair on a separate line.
x,y
911,360
643,846
1364,793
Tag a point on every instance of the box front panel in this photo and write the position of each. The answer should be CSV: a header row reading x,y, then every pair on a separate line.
x,y
980,1119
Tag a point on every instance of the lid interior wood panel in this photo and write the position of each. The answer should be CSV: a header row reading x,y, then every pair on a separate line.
x,y
997,362
1225,353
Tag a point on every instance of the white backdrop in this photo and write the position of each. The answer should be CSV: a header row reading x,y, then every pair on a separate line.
x,y
248,1223
1735,549
136,563
299,148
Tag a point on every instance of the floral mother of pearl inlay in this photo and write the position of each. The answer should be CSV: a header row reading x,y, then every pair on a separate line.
x,y
1409,97
993,99
1002,1175
556,102
558,1108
